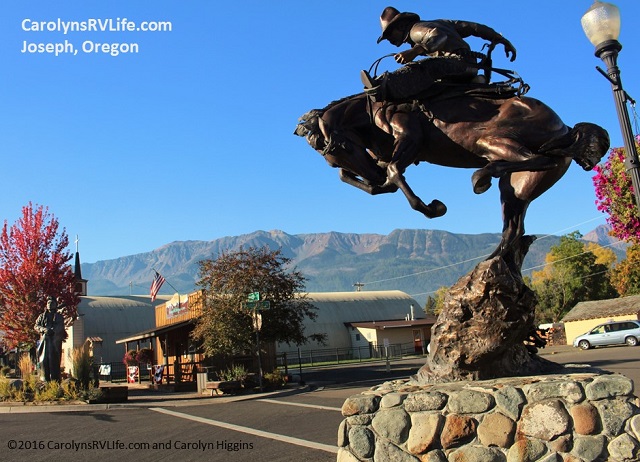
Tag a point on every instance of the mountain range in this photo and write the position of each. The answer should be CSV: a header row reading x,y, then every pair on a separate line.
x,y
415,261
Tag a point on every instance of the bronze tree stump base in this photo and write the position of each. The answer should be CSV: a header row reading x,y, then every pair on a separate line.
x,y
480,333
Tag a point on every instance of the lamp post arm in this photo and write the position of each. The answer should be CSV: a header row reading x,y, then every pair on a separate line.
x,y
608,52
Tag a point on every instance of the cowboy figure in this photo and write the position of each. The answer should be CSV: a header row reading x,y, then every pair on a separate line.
x,y
50,326
450,57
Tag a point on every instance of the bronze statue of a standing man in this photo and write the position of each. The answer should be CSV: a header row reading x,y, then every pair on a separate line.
x,y
50,325
442,40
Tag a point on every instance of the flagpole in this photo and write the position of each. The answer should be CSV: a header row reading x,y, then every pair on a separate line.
x,y
168,283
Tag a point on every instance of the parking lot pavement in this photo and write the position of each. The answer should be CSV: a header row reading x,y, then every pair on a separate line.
x,y
345,380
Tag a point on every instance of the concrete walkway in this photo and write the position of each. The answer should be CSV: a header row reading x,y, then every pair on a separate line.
x,y
139,396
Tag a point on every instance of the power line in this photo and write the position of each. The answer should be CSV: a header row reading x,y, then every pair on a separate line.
x,y
426,271
570,257
554,234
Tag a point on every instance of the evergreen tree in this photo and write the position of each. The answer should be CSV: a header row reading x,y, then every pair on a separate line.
x,y
430,306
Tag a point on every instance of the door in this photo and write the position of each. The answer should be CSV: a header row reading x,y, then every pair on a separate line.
x,y
598,336
418,341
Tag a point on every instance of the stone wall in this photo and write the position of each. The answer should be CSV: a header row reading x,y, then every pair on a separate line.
x,y
554,418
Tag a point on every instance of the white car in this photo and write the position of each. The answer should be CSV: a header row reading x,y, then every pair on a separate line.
x,y
610,333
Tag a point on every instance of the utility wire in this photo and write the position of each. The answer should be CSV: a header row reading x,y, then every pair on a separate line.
x,y
554,234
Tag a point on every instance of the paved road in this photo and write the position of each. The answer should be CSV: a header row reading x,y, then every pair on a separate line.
x,y
300,424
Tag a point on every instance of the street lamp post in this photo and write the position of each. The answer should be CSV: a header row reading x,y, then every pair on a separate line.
x,y
601,25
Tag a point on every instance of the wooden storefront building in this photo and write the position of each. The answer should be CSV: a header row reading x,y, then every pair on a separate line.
x,y
176,354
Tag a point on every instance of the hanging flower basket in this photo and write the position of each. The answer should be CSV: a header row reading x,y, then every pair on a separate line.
x,y
145,356
130,358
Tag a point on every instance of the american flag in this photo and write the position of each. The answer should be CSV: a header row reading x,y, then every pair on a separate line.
x,y
156,284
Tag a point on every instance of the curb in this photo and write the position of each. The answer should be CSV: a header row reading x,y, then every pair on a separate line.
x,y
141,402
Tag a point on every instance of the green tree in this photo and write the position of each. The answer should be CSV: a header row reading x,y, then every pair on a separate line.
x,y
615,196
572,274
226,325
440,295
33,265
625,276
430,306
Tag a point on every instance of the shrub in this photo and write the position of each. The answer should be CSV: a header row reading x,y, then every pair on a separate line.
x,y
274,379
70,390
48,391
235,372
615,195
26,366
4,371
35,390
81,362
6,389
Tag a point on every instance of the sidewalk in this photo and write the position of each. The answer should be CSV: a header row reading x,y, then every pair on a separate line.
x,y
141,396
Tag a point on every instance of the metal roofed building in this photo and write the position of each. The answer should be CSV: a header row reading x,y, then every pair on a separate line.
x,y
103,320
337,311
586,315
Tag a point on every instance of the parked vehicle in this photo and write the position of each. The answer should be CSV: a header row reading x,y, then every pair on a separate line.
x,y
610,333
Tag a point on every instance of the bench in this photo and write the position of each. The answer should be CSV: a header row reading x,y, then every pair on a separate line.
x,y
230,387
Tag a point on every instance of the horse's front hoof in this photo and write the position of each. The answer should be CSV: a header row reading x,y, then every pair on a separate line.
x,y
436,209
481,181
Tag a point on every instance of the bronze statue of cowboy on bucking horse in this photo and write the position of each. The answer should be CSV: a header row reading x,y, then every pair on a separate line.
x,y
442,40
439,111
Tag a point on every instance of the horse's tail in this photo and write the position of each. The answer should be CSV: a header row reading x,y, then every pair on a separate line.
x,y
586,143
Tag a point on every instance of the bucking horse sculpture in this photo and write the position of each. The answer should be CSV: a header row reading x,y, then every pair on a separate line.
x,y
489,127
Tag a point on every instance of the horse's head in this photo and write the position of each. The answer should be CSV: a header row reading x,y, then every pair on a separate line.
x,y
309,128
337,136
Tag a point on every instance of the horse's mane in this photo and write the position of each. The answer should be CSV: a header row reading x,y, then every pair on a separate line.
x,y
338,101
308,122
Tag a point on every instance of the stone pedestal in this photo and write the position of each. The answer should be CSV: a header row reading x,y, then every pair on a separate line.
x,y
553,418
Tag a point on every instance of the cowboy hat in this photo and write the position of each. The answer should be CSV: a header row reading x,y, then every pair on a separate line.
x,y
391,17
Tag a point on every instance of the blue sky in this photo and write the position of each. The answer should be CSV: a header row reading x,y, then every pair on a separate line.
x,y
191,137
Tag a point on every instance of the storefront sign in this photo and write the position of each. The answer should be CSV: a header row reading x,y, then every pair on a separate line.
x,y
179,304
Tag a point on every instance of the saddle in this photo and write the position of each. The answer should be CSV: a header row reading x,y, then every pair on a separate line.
x,y
513,87
443,90
479,86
